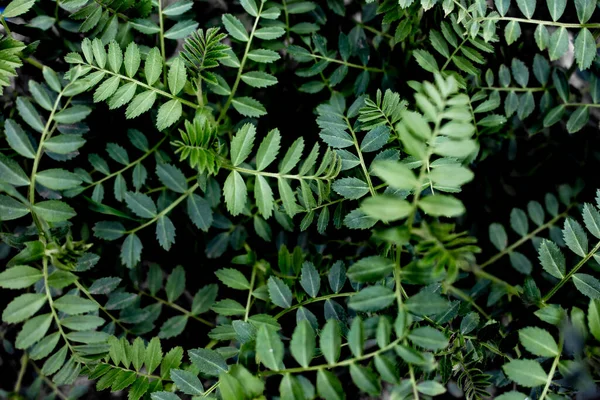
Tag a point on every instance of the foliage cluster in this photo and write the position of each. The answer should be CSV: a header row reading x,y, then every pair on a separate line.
x,y
289,199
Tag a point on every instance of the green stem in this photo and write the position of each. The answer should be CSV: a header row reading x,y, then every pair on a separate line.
x,y
552,369
539,22
277,175
249,301
148,87
360,157
315,300
48,382
468,299
128,166
581,105
5,25
241,68
567,277
454,53
514,89
161,36
178,308
166,210
24,360
101,307
335,365
346,63
525,238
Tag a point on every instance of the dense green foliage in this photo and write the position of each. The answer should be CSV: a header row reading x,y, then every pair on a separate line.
x,y
300,199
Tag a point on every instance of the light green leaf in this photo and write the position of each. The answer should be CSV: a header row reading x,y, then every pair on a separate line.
x,y
593,316
329,386
168,114
17,139
268,150
242,143
279,292
141,204
177,76
526,373
235,27
442,206
233,278
556,8
235,193
585,9
587,285
131,250
302,345
269,348
585,47
208,362
372,298
552,259
559,43
141,103
538,342
248,107
428,338
187,382
527,7
575,237
259,79
386,208
54,210
395,174
331,341
11,209
33,331
370,269
22,307
153,66
17,7
578,119
132,60
365,379
350,188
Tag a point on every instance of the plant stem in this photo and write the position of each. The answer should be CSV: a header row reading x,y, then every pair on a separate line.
x,y
178,308
161,36
346,63
48,382
468,299
525,238
101,307
24,360
241,68
316,299
539,22
167,209
360,157
567,277
249,301
552,369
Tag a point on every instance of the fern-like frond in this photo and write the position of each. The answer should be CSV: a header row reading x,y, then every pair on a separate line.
x,y
9,59
382,111
196,146
202,51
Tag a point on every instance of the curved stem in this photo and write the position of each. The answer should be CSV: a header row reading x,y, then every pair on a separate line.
x,y
539,22
178,308
567,277
241,68
552,369
128,166
361,159
315,300
525,238
167,209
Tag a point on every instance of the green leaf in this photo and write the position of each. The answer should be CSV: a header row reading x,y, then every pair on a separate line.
x,y
512,32
292,156
365,379
431,388
58,179
178,8
575,237
594,318
235,193
442,206
350,188
132,60
538,342
556,8
526,373
428,338
310,279
328,386
11,209
233,278
11,172
242,143
153,355
426,61
250,7
228,307
303,343
19,277
175,284
424,303
263,56
115,56
235,27
279,292
248,107
177,76
502,6
64,144
17,139
141,103
498,236
585,9
587,285
370,269
268,150
23,307
172,177
578,119
141,204
559,43
269,348
33,331
168,114
512,395
230,387
153,66
74,305
54,210
30,115
269,33
17,7
181,29
259,79
187,382
131,250
372,298
527,7
395,174
208,362
331,341
552,259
